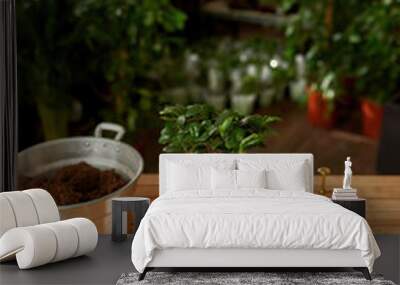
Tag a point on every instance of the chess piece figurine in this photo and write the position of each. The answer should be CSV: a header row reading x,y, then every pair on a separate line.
x,y
347,174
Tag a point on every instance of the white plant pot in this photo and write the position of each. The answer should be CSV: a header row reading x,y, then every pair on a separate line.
x,y
217,101
298,90
243,103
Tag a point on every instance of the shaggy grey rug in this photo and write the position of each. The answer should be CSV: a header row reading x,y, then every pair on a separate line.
x,y
269,278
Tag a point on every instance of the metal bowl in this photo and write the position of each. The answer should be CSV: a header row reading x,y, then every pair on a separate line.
x,y
102,153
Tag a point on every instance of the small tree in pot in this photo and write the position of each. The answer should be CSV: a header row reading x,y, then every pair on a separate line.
x,y
199,128
320,103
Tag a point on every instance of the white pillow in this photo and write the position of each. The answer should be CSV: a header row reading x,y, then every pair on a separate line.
x,y
251,179
281,175
181,178
189,175
237,179
223,179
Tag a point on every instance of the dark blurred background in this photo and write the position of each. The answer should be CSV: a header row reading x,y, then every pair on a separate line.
x,y
330,69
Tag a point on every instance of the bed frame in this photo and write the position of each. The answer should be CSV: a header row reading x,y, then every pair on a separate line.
x,y
246,258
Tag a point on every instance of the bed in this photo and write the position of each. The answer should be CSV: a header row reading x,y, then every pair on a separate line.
x,y
246,211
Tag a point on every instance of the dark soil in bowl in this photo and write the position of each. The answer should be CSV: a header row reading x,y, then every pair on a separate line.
x,y
76,183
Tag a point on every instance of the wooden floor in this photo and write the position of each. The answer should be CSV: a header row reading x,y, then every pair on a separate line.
x,y
382,194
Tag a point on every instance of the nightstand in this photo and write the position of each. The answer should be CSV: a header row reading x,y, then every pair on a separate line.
x,y
358,206
120,206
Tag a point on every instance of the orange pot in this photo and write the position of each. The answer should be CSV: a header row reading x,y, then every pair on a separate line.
x,y
318,111
372,114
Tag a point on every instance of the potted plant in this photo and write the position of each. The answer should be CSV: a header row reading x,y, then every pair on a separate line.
x,y
374,33
199,128
317,30
215,94
320,103
298,80
274,80
242,101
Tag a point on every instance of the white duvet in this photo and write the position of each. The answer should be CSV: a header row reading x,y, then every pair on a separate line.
x,y
250,219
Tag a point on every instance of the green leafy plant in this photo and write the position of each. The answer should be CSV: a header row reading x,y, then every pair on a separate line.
x,y
199,128
316,30
374,35
347,39
99,55
128,38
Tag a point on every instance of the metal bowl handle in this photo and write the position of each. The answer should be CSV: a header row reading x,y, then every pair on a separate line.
x,y
105,126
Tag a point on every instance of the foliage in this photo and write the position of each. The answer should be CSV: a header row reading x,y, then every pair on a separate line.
x,y
344,39
46,63
199,128
99,54
128,37
374,35
312,31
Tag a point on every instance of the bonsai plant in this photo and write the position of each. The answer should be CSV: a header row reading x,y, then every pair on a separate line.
x,y
199,128
243,100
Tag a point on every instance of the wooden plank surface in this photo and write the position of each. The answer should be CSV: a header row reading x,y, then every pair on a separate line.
x,y
382,194
383,199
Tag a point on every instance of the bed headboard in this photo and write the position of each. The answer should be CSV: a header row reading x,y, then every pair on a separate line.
x,y
307,157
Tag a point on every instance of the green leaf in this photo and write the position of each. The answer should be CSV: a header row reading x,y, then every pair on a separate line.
x,y
226,124
250,141
181,120
197,128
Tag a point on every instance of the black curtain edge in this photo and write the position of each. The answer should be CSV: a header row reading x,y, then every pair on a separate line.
x,y
8,96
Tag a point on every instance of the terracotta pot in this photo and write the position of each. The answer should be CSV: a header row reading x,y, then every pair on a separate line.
x,y
372,114
318,111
